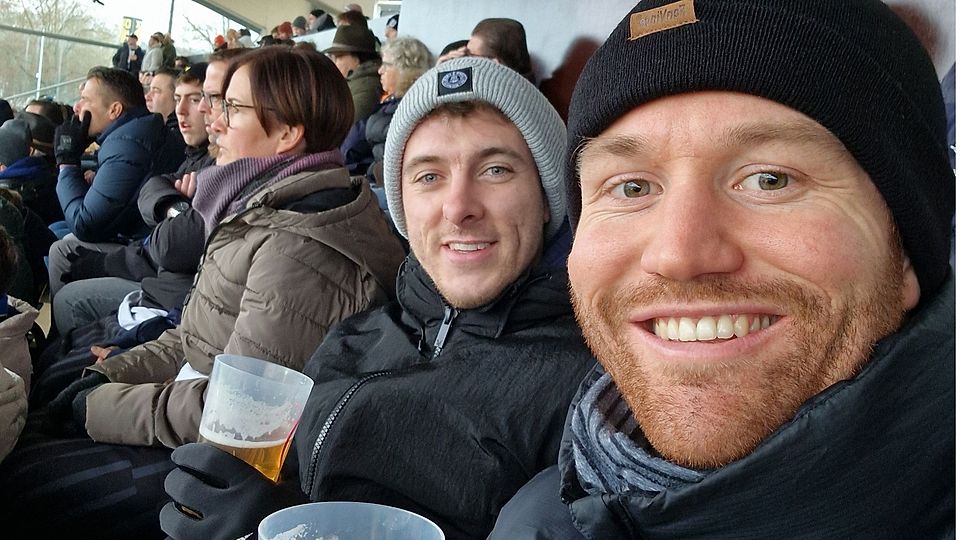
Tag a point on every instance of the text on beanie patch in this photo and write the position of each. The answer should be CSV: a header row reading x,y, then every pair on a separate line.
x,y
662,18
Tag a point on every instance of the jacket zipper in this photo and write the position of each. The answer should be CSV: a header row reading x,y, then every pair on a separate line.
x,y
449,314
334,414
206,244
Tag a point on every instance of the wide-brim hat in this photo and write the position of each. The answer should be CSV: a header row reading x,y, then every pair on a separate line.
x,y
352,39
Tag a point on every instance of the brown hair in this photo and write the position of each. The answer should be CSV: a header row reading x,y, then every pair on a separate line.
x,y
353,18
225,55
119,85
506,40
298,87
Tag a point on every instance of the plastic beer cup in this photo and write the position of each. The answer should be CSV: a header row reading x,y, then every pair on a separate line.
x,y
346,521
251,410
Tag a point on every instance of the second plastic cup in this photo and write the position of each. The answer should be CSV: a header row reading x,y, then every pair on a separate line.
x,y
346,521
252,409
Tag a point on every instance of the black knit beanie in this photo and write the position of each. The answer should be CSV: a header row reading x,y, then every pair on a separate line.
x,y
851,65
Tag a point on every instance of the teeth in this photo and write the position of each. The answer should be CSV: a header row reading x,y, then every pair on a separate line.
x,y
709,328
742,326
687,329
456,246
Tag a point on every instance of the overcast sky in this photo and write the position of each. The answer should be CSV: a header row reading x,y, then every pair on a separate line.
x,y
154,16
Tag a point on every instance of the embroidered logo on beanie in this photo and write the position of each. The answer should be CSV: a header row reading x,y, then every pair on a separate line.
x,y
661,18
454,82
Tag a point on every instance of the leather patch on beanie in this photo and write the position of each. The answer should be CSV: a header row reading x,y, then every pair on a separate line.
x,y
662,18
454,82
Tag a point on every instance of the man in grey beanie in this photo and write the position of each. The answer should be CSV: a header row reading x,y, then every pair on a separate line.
x,y
449,399
761,197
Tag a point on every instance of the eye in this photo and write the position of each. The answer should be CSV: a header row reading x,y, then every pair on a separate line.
x,y
767,181
632,189
427,178
497,170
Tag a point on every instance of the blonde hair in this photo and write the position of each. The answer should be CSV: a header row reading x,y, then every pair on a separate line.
x,y
411,57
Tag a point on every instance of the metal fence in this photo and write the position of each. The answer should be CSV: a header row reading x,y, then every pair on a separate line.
x,y
44,64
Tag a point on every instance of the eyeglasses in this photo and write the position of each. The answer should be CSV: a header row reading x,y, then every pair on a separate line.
x,y
213,100
226,106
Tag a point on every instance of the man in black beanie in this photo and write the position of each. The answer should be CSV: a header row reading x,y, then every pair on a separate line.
x,y
762,196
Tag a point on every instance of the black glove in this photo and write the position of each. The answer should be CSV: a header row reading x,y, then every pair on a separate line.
x,y
216,495
84,264
70,139
66,415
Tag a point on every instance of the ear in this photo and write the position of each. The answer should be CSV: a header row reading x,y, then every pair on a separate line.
x,y
115,110
910,289
290,138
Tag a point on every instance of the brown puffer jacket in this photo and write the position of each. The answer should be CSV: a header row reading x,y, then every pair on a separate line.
x,y
272,281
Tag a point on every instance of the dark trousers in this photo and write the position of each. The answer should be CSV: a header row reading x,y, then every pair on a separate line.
x,y
77,488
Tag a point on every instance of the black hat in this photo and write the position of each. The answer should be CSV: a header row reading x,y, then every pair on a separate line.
x,y
6,111
41,131
352,39
851,65
14,141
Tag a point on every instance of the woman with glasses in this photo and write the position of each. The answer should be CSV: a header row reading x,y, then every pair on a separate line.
x,y
293,246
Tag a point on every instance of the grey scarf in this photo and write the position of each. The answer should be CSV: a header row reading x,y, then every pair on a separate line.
x,y
610,452
223,190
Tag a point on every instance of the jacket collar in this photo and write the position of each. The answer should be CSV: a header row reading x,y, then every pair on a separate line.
x,y
888,430
124,118
539,293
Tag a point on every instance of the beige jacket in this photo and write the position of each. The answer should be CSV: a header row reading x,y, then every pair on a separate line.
x,y
271,282
15,370
14,353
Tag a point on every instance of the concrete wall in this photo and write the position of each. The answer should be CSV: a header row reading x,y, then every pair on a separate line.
x,y
562,34
935,22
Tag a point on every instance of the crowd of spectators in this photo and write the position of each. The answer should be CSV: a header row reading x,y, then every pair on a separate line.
x,y
398,224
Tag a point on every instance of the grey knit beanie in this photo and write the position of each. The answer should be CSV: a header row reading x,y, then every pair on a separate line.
x,y
479,79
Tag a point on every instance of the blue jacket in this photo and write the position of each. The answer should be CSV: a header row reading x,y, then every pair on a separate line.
x,y
132,149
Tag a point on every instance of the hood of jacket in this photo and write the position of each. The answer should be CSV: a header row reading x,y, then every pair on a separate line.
x,y
869,457
13,341
29,167
329,207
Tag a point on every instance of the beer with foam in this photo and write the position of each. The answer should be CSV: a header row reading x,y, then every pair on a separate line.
x,y
266,456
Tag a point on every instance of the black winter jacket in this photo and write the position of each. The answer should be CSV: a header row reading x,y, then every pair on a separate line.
x,y
442,413
870,457
167,260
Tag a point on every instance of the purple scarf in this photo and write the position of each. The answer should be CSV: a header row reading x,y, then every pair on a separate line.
x,y
223,190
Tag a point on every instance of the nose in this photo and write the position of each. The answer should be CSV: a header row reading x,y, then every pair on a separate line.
x,y
462,202
203,107
218,125
693,235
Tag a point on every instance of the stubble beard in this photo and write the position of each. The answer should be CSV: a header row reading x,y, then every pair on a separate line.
x,y
710,417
